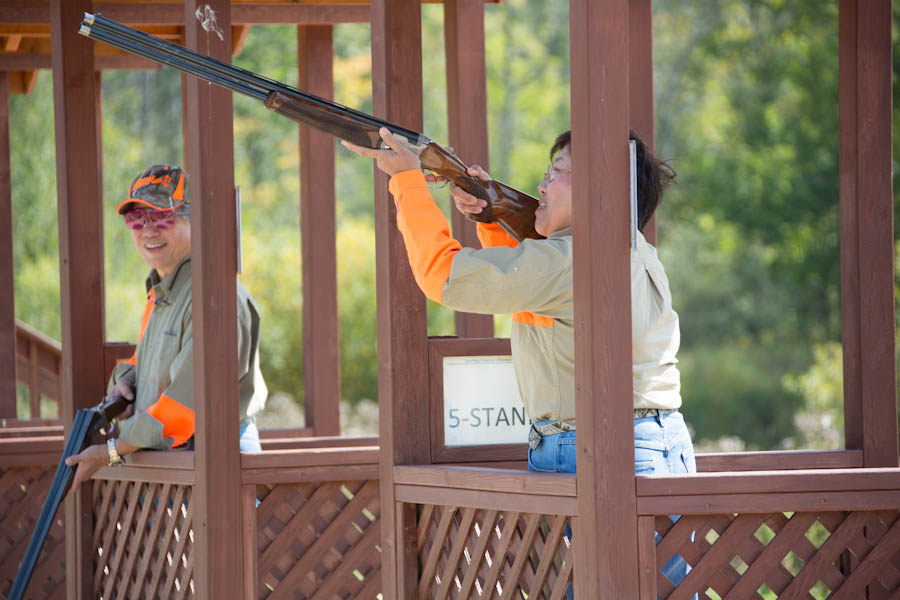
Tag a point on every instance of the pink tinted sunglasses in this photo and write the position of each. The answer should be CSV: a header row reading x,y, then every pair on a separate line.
x,y
136,218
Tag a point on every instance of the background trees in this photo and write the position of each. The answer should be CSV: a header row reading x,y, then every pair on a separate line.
x,y
746,106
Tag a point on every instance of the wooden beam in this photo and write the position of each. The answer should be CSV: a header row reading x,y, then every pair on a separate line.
x,y
487,479
80,200
487,499
784,460
301,14
12,42
887,500
168,13
402,332
31,62
218,569
770,482
640,82
467,121
7,273
867,236
318,231
239,35
606,560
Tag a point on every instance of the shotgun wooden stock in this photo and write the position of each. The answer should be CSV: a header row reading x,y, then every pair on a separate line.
x,y
511,209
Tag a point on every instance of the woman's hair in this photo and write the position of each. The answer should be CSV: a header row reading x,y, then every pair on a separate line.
x,y
653,175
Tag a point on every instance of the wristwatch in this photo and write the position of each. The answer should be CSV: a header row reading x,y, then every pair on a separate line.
x,y
114,458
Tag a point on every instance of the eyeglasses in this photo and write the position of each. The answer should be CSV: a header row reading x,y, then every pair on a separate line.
x,y
553,171
136,218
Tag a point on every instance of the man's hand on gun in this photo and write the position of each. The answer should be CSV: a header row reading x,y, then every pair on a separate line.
x,y
89,460
123,389
465,202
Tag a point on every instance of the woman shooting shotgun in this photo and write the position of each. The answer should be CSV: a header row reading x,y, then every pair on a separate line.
x,y
533,280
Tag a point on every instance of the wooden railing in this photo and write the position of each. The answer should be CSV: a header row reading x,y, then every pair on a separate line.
x,y
38,366
315,533
27,466
316,528
773,534
804,533
490,533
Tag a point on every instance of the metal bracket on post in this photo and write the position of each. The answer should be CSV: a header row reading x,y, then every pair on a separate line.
x,y
237,208
632,151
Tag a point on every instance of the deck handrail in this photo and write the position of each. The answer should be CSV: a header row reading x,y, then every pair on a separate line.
x,y
38,365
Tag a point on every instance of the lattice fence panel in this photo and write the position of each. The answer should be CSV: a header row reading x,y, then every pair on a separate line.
x,y
22,494
143,540
836,555
473,553
319,540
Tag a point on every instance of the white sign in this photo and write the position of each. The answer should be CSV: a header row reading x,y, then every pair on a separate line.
x,y
482,403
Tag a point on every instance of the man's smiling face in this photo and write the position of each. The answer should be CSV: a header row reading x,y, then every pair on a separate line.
x,y
163,249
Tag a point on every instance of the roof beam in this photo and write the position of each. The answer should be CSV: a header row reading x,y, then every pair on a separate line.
x,y
103,62
164,13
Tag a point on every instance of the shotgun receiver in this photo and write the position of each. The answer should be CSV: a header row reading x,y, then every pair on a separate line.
x,y
88,421
511,209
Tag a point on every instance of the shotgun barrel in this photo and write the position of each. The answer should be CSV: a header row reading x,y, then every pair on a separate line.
x,y
88,421
511,209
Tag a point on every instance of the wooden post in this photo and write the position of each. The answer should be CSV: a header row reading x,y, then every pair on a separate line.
x,y
467,121
402,334
867,235
80,199
218,570
606,555
7,273
321,354
640,82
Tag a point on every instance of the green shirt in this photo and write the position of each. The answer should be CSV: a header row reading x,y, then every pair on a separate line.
x,y
164,368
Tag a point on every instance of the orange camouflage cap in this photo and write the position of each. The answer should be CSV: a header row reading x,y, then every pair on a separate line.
x,y
159,187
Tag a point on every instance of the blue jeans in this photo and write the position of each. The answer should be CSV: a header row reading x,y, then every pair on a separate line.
x,y
249,437
662,444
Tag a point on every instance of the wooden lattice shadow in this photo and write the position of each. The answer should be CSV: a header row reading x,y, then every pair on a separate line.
x,y
319,540
143,540
835,555
22,494
475,553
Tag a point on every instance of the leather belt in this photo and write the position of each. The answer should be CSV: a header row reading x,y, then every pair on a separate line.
x,y
539,431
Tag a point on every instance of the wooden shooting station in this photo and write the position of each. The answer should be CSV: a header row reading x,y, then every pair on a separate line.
x,y
349,518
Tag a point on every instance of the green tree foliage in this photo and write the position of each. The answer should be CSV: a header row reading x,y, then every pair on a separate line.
x,y
746,109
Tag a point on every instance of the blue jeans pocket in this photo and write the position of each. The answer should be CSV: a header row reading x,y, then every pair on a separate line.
x,y
555,454
541,461
649,457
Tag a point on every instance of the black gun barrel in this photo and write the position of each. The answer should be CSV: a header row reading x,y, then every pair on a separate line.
x,y
214,71
61,482
87,422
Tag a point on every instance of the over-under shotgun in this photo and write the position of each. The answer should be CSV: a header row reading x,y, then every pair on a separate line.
x,y
88,421
511,209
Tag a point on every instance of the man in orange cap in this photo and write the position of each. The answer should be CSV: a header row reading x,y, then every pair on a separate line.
x,y
159,377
